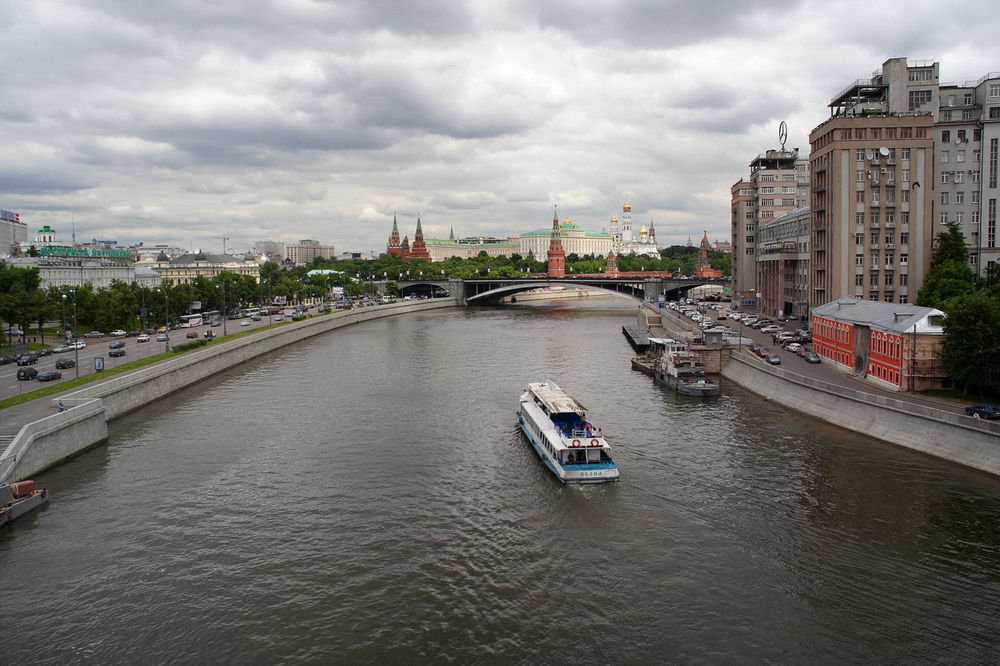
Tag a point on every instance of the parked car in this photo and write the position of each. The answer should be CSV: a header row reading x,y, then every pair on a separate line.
x,y
117,352
65,363
44,351
983,410
763,352
4,360
773,359
133,334
117,344
142,337
812,357
49,375
94,334
793,347
192,334
27,359
770,328
79,344
118,333
26,373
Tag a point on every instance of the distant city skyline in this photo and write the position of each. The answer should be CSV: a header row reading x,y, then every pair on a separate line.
x,y
181,125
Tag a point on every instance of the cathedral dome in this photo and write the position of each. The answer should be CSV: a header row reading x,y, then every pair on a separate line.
x,y
627,207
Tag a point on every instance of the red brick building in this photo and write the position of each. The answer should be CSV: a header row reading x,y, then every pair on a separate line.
x,y
896,345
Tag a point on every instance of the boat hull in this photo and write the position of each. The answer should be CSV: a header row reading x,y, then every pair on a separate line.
x,y
699,387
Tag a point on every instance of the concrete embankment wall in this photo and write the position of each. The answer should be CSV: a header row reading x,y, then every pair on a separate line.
x,y
44,443
946,435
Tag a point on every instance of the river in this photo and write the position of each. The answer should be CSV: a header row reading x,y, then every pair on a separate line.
x,y
366,496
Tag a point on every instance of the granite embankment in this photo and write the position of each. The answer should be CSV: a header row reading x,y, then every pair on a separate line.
x,y
945,434
44,442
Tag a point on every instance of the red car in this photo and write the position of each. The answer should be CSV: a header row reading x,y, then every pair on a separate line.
x,y
192,334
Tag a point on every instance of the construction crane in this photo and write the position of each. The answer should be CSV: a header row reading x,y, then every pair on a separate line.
x,y
223,239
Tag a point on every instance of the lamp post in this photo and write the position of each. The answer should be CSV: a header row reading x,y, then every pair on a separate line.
x,y
76,341
224,317
64,317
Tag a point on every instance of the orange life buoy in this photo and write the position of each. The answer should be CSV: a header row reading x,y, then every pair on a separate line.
x,y
575,443
594,442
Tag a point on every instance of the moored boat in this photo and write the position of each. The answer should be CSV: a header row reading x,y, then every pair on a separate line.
x,y
570,446
679,368
17,499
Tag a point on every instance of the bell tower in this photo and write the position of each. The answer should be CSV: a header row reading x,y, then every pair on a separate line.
x,y
557,255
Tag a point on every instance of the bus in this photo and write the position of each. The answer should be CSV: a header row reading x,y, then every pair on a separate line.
x,y
191,320
213,317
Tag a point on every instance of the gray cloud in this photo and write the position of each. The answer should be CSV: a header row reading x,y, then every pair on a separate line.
x,y
267,119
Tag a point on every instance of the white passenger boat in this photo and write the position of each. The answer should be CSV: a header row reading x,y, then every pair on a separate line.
x,y
569,445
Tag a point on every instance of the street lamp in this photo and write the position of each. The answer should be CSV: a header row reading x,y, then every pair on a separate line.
x,y
76,341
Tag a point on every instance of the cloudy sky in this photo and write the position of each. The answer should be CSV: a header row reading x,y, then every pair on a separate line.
x,y
182,121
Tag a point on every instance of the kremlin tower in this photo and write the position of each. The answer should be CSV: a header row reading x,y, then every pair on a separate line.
x,y
556,255
394,248
419,248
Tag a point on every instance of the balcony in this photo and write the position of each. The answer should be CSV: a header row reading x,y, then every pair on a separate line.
x,y
890,246
875,225
890,225
874,204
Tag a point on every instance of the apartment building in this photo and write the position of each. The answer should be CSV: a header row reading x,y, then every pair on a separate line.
x,y
872,180
967,134
783,265
778,184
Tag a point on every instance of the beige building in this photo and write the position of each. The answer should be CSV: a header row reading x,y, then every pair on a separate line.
x,y
778,184
783,265
303,252
872,168
574,241
186,268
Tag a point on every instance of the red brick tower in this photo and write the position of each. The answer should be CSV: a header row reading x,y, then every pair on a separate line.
x,y
419,248
395,247
612,268
702,269
557,255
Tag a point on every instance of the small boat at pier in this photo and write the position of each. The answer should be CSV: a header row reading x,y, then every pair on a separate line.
x,y
17,499
570,446
677,367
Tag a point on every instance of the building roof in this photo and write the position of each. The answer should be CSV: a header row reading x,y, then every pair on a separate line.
x,y
898,317
210,258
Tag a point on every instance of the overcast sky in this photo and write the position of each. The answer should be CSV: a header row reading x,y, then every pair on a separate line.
x,y
181,121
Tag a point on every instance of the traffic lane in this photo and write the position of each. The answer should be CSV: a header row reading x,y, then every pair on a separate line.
x,y
134,350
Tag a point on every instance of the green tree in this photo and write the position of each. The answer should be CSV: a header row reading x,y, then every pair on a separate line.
x,y
946,281
971,346
950,246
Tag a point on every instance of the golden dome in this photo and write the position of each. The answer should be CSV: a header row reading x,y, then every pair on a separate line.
x,y
627,207
614,220
642,231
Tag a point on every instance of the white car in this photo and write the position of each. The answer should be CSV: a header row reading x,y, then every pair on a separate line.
x,y
79,344
245,322
142,337
119,333
773,328
162,337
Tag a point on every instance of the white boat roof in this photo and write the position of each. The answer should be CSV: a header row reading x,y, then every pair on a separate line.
x,y
554,398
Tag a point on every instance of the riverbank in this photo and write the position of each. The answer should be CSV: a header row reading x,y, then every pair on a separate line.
x,y
928,425
46,439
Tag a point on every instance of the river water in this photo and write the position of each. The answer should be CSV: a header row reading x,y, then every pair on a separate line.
x,y
366,496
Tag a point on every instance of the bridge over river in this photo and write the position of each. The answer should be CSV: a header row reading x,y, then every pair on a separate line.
x,y
490,291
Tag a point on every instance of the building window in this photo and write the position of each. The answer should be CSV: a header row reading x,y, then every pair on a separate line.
x,y
975,196
960,156
994,112
959,176
874,260
946,116
874,196
860,196
888,279
921,74
961,134
905,153
904,196
874,238
943,218
967,100
945,177
959,197
975,155
904,236
859,261
995,90
859,280
859,239
944,198
946,134
904,175
860,154
860,175
974,175
945,157
873,279
959,217
859,218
